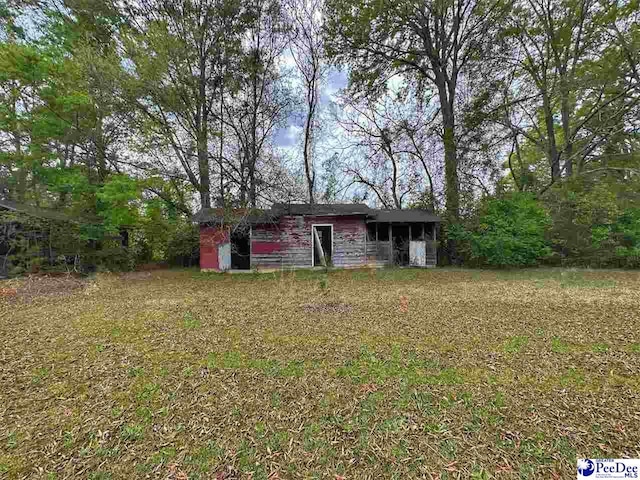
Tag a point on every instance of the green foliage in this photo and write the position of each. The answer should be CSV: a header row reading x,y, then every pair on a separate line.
x,y
510,232
117,202
594,223
627,233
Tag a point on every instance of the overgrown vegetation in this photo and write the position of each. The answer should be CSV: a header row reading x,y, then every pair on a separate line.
x,y
509,232
355,374
78,245
131,115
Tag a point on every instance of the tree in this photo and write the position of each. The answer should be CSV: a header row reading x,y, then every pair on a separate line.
x,y
568,91
432,42
262,100
179,51
391,148
307,50
510,232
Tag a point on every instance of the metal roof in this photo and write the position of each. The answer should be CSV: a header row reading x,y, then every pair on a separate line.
x,y
249,216
320,209
257,216
37,212
405,216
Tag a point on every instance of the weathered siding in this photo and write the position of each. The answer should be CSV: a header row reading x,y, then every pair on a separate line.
x,y
210,240
349,238
288,243
266,246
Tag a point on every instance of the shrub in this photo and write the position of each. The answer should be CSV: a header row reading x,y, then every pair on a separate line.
x,y
596,222
509,232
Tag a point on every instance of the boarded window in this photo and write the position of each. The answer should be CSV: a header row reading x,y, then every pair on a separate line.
x,y
383,232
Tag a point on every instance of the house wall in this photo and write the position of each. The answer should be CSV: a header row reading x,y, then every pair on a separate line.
x,y
288,244
211,240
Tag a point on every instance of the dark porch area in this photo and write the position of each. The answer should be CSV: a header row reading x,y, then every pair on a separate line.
x,y
401,243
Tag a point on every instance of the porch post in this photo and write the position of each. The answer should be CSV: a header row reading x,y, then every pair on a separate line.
x,y
390,245
366,234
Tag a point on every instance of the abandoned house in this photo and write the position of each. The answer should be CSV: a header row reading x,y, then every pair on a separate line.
x,y
305,235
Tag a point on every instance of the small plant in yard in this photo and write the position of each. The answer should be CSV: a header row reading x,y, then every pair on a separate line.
x,y
67,439
323,283
449,448
559,346
515,344
190,321
12,440
132,433
600,347
39,375
135,371
99,475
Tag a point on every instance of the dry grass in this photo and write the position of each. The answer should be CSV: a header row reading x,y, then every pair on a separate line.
x,y
358,374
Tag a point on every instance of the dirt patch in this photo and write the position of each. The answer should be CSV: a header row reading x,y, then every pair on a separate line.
x,y
327,307
34,286
136,276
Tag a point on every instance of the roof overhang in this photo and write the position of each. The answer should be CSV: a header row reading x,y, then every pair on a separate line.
x,y
259,216
236,216
404,216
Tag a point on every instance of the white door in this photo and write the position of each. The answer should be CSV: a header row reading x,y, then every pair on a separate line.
x,y
224,256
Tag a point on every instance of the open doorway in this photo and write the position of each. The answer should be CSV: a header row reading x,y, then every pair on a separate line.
x,y
322,244
241,249
400,234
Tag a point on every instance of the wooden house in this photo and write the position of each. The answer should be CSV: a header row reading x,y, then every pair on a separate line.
x,y
305,235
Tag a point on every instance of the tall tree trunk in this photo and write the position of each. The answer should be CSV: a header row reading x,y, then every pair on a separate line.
x,y
308,137
222,200
202,126
566,130
452,188
552,149
21,174
21,183
203,166
308,154
101,156
254,125
446,92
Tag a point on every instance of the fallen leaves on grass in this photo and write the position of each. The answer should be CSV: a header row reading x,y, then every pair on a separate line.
x,y
181,374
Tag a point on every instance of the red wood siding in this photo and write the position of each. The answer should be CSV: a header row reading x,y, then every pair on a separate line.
x,y
288,244
210,238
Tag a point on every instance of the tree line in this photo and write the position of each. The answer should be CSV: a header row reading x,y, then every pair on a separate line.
x,y
496,113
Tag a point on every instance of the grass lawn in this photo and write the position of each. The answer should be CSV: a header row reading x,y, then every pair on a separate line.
x,y
437,374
